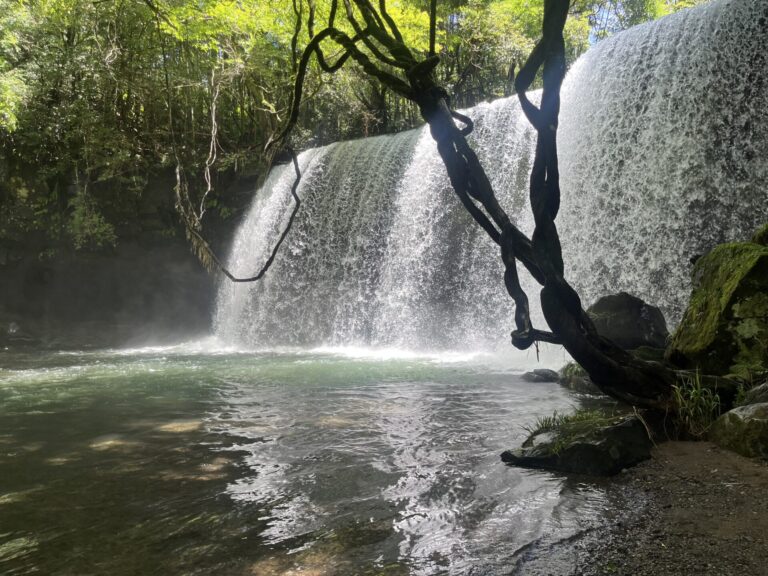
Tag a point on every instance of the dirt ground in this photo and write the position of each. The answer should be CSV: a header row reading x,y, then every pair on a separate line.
x,y
704,511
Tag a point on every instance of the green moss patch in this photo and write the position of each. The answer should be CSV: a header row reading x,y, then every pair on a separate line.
x,y
761,236
725,328
587,442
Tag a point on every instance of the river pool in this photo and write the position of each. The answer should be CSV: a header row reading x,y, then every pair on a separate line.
x,y
197,460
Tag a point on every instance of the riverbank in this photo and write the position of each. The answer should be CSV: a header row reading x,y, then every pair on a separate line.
x,y
692,509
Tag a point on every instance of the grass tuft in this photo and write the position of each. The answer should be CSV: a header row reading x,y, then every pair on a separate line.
x,y
581,421
697,407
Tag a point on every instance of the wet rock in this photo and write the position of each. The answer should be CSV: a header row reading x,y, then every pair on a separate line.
x,y
725,328
600,451
743,430
576,379
629,322
756,395
541,375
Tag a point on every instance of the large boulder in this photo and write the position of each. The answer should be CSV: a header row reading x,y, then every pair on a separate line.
x,y
725,328
756,395
603,450
629,322
743,430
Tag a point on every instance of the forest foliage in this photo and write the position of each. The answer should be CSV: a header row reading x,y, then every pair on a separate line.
x,y
100,97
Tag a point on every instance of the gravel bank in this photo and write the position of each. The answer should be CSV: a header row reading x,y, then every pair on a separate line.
x,y
704,511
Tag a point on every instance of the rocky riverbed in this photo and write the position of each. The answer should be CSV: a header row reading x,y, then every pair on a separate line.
x,y
692,509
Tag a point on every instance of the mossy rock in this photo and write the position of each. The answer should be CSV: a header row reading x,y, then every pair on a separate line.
x,y
596,448
576,379
649,353
725,328
629,322
743,430
761,236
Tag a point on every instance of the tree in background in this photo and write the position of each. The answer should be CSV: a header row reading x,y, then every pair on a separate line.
x,y
611,16
99,99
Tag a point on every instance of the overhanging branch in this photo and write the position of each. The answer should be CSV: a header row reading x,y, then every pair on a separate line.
x,y
201,244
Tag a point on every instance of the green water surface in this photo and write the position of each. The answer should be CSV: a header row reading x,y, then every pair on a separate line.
x,y
190,461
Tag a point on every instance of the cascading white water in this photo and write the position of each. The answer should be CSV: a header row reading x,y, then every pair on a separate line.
x,y
664,152
382,252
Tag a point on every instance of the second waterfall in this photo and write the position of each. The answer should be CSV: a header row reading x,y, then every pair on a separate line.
x,y
382,254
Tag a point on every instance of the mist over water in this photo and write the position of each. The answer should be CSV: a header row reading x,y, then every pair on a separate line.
x,y
663,140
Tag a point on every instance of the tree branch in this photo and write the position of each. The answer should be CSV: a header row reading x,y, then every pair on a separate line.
x,y
201,244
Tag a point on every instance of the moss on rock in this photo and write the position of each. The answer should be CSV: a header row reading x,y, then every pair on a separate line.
x,y
576,379
587,442
761,236
725,328
743,430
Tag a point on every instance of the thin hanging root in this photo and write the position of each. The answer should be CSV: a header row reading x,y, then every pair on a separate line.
x,y
214,145
377,29
209,258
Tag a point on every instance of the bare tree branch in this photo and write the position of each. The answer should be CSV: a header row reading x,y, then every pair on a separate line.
x,y
432,25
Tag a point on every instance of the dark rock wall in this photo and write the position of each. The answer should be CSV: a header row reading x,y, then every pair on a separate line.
x,y
148,289
141,292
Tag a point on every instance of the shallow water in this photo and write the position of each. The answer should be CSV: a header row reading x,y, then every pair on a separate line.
x,y
334,461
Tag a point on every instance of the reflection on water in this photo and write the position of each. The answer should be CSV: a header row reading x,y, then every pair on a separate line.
x,y
180,461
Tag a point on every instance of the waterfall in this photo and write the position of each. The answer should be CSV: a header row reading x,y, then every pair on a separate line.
x,y
664,153
664,150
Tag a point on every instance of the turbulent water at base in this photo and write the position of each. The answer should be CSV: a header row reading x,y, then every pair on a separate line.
x,y
663,143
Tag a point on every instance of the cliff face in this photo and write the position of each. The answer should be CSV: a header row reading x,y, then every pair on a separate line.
x,y
143,291
147,288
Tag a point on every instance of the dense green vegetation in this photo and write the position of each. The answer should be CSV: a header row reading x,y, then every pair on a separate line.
x,y
100,97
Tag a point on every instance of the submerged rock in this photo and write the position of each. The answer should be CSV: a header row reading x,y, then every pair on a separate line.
x,y
601,450
725,328
743,430
629,322
13,334
541,375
